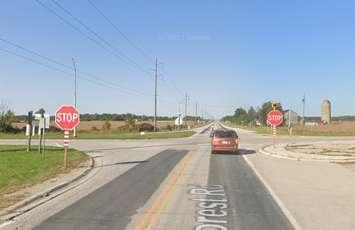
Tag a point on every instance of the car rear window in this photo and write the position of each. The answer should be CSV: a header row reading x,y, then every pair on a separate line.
x,y
226,134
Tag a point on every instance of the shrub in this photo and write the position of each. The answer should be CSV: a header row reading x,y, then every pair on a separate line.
x,y
94,128
145,127
106,126
170,127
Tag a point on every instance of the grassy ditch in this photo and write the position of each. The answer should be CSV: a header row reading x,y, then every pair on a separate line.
x,y
20,169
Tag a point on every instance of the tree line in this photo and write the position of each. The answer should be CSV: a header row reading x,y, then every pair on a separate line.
x,y
252,116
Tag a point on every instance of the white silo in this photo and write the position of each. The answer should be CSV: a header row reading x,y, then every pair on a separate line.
x,y
326,112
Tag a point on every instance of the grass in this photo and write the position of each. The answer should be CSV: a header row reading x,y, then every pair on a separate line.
x,y
19,169
106,135
298,131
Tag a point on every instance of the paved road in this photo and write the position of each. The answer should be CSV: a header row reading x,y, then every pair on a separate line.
x,y
163,184
112,206
250,205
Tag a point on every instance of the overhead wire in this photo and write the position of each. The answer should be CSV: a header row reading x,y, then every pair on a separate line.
x,y
140,50
18,46
103,44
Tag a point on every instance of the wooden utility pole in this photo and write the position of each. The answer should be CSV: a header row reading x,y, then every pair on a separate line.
x,y
303,110
196,107
186,101
156,95
75,84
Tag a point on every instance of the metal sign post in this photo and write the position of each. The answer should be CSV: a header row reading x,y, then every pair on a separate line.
x,y
29,131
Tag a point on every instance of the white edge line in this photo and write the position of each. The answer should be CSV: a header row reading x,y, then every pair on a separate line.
x,y
282,206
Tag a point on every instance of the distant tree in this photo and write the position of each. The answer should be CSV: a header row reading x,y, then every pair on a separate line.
x,y
7,117
252,115
240,116
265,109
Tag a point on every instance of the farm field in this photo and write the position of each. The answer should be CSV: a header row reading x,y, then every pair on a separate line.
x,y
91,125
345,128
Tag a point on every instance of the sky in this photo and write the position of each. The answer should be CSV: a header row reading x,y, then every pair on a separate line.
x,y
223,54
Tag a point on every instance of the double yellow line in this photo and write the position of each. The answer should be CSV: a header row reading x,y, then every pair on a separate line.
x,y
161,201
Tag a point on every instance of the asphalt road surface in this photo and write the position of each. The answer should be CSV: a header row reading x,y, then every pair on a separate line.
x,y
111,206
250,206
162,184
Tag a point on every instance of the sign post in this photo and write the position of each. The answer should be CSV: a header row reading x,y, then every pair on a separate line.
x,y
274,118
67,118
29,130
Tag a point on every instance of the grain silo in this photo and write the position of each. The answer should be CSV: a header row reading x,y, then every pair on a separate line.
x,y
326,112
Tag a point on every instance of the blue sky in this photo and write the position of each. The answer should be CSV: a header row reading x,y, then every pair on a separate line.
x,y
224,54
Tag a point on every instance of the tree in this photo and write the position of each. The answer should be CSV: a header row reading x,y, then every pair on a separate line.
x,y
265,109
240,116
252,115
130,122
7,117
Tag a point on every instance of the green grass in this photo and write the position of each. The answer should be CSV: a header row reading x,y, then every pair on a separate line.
x,y
106,135
19,168
305,132
300,132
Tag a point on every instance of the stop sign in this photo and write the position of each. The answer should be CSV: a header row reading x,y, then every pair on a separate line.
x,y
67,117
275,118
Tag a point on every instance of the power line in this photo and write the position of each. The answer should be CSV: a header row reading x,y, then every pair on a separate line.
x,y
112,50
141,51
68,74
68,66
170,83
100,37
156,95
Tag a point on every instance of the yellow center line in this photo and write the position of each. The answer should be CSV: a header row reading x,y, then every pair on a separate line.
x,y
151,216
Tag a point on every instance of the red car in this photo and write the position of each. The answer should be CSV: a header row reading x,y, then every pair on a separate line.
x,y
224,141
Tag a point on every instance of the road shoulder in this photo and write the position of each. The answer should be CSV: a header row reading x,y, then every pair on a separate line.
x,y
40,193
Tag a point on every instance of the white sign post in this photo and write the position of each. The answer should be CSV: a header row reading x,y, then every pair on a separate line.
x,y
43,124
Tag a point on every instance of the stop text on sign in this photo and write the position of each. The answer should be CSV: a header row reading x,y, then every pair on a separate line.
x,y
275,118
67,117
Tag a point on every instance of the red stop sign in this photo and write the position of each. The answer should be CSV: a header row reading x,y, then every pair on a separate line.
x,y
67,117
275,118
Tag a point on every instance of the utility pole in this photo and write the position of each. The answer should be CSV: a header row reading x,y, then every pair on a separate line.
x,y
156,94
186,101
303,110
74,67
196,106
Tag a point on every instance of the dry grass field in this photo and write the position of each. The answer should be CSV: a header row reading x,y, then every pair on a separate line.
x,y
90,125
344,128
